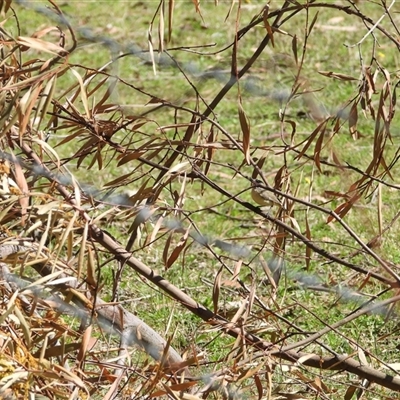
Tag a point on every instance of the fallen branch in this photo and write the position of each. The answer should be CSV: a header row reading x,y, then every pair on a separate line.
x,y
327,362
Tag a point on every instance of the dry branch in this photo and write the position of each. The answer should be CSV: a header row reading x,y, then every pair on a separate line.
x,y
153,341
27,103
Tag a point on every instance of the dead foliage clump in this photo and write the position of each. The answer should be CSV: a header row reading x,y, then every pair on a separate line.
x,y
66,328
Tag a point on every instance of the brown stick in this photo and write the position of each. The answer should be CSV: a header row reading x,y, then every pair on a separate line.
x,y
330,362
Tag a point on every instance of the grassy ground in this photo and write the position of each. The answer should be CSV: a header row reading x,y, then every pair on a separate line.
x,y
264,97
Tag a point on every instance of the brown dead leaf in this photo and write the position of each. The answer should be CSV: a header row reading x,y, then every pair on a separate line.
x,y
245,126
338,75
267,25
41,45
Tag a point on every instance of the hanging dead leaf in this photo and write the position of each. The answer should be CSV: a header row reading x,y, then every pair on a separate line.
x,y
166,249
294,49
178,249
267,25
245,126
320,128
353,118
171,4
344,208
216,290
